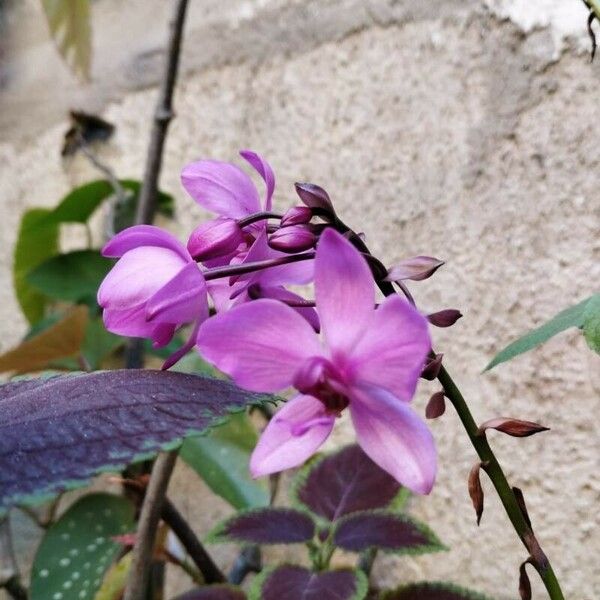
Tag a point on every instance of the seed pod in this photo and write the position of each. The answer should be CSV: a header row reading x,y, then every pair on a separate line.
x,y
436,406
514,427
444,318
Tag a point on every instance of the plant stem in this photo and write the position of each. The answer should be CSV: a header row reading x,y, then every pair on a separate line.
x,y
488,458
147,525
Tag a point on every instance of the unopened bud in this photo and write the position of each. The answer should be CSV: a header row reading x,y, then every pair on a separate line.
x,y
514,427
444,318
436,406
416,268
294,238
476,491
432,368
315,197
215,238
297,215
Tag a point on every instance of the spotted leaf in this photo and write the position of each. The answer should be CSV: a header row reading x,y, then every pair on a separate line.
x,y
78,549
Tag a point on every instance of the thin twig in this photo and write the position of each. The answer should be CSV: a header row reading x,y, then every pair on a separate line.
x,y
10,579
148,524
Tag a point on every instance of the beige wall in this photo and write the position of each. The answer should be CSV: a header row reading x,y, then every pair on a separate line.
x,y
438,128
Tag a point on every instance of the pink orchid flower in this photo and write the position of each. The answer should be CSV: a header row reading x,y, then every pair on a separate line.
x,y
225,189
154,288
370,363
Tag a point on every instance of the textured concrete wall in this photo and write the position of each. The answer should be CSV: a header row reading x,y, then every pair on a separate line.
x,y
457,129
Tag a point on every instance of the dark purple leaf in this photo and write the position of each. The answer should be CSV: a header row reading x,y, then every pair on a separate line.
x,y
432,591
214,592
57,433
266,526
289,582
344,482
388,531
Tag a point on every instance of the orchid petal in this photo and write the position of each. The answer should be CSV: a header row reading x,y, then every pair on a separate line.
x,y
138,274
130,322
294,434
344,290
264,170
260,344
143,235
162,334
393,349
181,300
181,352
285,296
221,188
394,437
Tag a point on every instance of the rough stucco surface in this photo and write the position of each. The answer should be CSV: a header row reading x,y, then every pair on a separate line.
x,y
438,128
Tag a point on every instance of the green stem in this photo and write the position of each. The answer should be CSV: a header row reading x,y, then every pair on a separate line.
x,y
505,492
489,460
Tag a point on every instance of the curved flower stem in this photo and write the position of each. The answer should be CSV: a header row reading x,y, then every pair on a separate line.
x,y
259,216
242,269
488,458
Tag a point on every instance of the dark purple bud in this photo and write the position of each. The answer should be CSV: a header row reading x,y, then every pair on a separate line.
x,y
432,368
436,406
215,238
476,491
294,238
297,215
524,583
514,427
416,268
444,318
315,197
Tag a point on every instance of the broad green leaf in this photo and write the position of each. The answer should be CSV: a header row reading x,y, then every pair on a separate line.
x,y
78,549
74,276
570,317
221,458
80,203
591,323
124,215
61,340
56,433
69,22
37,241
115,580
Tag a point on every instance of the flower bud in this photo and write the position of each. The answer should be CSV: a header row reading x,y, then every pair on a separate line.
x,y
416,268
432,368
444,318
315,197
297,215
436,406
215,238
294,238
514,427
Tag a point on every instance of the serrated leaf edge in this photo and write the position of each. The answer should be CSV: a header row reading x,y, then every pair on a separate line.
x,y
362,583
217,535
435,546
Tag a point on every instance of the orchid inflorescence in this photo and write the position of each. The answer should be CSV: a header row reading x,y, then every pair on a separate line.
x,y
341,351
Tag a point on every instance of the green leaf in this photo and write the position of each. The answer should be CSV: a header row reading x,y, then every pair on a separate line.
x,y
591,323
570,317
124,215
37,241
80,203
74,276
61,340
99,343
221,459
78,549
69,22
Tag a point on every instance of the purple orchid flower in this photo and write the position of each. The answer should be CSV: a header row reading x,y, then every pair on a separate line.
x,y
225,189
370,363
153,289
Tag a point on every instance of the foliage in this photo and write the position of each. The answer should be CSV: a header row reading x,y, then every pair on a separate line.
x,y
586,311
69,22
87,423
79,548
